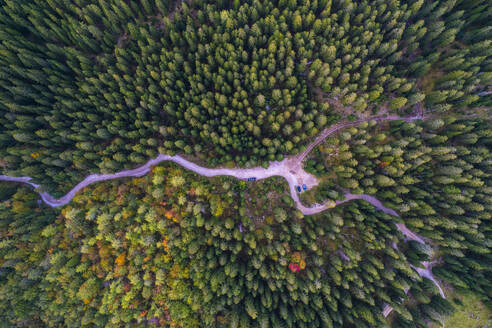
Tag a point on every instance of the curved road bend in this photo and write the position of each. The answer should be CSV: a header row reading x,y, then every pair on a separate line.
x,y
294,177
326,132
283,168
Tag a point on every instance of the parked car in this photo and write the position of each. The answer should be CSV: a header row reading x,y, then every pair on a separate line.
x,y
304,187
298,188
252,179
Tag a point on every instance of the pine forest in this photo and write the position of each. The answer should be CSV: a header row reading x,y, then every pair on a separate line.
x,y
246,163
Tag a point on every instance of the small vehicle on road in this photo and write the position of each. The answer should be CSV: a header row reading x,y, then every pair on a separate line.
x,y
304,187
252,179
298,188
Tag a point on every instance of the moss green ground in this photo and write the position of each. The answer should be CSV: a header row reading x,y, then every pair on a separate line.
x,y
473,314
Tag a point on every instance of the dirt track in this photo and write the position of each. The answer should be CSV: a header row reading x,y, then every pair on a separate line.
x,y
290,169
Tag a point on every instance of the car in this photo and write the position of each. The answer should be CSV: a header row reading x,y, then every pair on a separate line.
x,y
304,187
252,179
299,188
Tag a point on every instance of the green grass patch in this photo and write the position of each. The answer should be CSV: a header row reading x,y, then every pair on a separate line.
x,y
472,314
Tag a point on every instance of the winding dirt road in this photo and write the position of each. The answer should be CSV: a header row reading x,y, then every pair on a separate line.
x,y
290,169
275,169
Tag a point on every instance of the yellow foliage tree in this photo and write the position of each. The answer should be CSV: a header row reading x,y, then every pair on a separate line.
x,y
120,260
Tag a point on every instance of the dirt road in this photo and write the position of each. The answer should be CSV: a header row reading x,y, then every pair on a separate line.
x,y
290,169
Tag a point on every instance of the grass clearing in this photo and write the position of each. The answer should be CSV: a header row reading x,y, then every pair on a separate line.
x,y
472,314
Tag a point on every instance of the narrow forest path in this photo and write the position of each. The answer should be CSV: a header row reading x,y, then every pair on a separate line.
x,y
325,133
290,169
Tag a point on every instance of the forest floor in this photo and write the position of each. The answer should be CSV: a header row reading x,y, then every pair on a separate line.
x,y
472,314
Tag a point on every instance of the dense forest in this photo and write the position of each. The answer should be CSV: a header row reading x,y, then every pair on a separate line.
x,y
171,249
436,175
98,86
